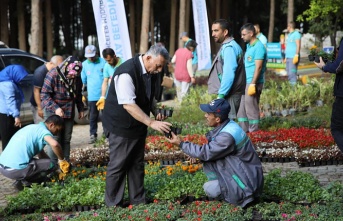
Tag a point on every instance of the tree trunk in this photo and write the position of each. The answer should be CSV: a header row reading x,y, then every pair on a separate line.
x,y
132,26
145,27
48,28
290,11
271,20
182,14
41,41
4,36
188,15
218,6
21,25
34,46
172,27
152,25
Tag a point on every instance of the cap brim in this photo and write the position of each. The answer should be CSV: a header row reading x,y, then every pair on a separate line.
x,y
205,108
89,55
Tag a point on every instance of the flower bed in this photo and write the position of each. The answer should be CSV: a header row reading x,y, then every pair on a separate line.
x,y
166,187
300,144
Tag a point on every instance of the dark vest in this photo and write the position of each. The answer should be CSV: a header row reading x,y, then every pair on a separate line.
x,y
115,118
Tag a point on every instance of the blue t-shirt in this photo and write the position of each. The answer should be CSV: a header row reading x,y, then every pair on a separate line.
x,y
92,75
38,80
24,145
255,51
291,45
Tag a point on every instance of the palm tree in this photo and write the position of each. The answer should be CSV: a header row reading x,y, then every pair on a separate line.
x,y
145,27
271,20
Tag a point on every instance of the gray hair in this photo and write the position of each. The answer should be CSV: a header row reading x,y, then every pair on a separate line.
x,y
156,50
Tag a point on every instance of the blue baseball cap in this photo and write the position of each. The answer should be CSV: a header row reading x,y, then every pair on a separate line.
x,y
219,106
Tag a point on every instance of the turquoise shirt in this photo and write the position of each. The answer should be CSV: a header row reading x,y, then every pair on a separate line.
x,y
194,53
109,71
24,145
230,54
92,76
262,38
255,51
291,46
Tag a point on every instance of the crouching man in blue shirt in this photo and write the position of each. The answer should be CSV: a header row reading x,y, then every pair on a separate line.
x,y
229,159
17,161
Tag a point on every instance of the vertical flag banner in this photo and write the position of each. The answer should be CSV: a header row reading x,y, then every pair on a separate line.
x,y
111,26
202,35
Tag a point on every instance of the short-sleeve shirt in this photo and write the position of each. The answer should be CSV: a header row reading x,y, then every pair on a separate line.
x,y
24,145
291,45
255,51
109,69
38,80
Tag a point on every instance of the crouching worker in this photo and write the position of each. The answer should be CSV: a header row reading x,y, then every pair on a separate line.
x,y
230,161
17,161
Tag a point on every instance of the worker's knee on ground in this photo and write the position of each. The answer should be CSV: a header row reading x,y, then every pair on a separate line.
x,y
212,188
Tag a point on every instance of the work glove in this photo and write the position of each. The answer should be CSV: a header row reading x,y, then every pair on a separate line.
x,y
252,89
64,166
101,103
84,99
296,59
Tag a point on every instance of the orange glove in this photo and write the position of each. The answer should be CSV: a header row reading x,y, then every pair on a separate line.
x,y
252,89
101,103
296,59
84,99
64,166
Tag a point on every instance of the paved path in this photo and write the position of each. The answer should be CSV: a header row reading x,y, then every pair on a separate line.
x,y
325,174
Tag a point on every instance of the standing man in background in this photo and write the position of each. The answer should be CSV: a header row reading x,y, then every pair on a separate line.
x,y
255,59
112,63
292,52
259,35
186,39
224,78
38,81
92,79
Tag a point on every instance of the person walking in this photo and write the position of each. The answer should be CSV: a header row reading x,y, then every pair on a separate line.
x,y
227,74
292,52
230,162
60,93
11,98
183,72
92,79
336,67
38,80
255,59
17,161
112,63
184,37
126,117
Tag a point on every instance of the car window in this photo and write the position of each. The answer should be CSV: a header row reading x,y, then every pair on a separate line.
x,y
30,63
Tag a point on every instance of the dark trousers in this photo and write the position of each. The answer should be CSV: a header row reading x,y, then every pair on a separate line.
x,y
337,122
7,129
126,162
93,117
35,172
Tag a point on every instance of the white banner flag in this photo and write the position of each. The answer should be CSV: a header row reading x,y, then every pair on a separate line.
x,y
202,35
111,26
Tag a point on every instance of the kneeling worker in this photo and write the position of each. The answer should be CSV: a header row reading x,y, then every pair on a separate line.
x,y
17,161
230,161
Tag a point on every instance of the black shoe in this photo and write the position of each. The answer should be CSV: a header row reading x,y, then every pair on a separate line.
x,y
18,185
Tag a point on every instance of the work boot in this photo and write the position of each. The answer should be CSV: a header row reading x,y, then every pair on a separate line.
x,y
18,185
92,139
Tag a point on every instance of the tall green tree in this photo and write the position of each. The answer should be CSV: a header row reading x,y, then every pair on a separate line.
x,y
325,17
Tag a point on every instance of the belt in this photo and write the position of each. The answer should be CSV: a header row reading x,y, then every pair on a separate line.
x,y
4,167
